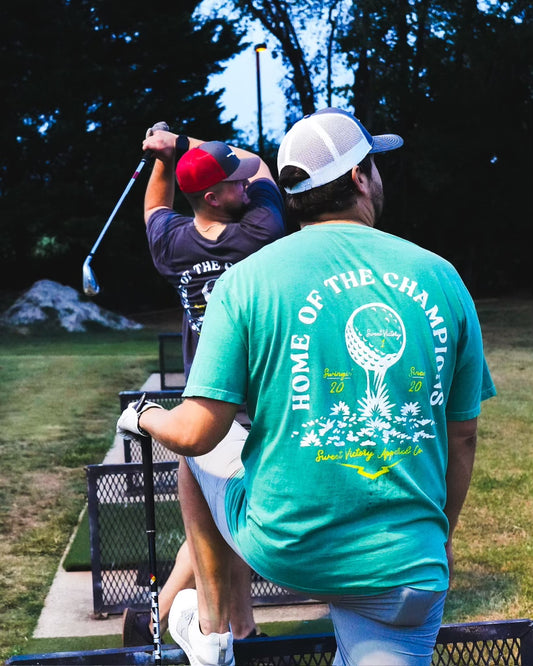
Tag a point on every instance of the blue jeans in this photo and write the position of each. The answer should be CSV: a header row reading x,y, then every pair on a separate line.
x,y
396,628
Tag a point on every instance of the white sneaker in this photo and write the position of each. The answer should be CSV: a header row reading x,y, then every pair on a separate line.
x,y
184,627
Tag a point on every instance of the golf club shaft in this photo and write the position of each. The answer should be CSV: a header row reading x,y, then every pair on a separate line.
x,y
148,473
146,157
89,281
149,504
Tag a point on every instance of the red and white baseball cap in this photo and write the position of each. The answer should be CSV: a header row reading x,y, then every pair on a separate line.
x,y
327,144
211,163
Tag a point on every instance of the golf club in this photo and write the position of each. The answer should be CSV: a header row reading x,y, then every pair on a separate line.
x,y
90,283
148,475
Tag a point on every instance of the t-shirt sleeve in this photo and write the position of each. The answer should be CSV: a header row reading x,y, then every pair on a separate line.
x,y
265,217
163,231
219,369
472,382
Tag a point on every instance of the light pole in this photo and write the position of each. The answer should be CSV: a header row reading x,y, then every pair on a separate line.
x,y
258,49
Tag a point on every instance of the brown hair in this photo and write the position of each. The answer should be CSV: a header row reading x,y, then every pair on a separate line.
x,y
332,197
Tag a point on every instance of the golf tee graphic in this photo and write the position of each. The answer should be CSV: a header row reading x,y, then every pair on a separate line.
x,y
375,430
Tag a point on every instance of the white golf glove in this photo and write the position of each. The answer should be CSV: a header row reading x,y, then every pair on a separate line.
x,y
128,423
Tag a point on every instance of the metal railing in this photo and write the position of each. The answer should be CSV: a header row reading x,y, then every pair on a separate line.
x,y
505,643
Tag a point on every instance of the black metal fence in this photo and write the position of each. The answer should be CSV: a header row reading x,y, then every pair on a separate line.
x,y
119,547
506,643
485,644
117,527
167,399
170,358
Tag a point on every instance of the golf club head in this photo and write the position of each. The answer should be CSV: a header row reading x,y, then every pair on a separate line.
x,y
90,283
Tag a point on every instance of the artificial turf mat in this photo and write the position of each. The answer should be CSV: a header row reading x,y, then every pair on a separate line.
x,y
78,557
122,532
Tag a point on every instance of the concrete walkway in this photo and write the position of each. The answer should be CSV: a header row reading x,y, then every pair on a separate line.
x,y
68,608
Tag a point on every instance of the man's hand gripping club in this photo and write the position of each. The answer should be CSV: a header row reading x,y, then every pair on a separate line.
x,y
128,423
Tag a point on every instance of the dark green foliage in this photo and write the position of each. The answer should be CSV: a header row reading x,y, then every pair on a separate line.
x,y
455,82
82,81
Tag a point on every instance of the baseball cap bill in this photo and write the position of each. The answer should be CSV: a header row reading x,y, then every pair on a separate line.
x,y
211,163
327,144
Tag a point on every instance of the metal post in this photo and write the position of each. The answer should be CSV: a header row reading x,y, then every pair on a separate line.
x,y
258,49
148,473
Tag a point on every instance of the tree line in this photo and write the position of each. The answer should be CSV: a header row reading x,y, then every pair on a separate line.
x,y
82,80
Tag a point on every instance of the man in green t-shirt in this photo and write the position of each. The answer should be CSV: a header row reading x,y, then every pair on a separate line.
x,y
360,358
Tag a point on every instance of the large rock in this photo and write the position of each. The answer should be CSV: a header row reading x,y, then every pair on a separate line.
x,y
49,303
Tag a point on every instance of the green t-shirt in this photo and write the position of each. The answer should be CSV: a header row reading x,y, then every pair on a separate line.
x,y
352,348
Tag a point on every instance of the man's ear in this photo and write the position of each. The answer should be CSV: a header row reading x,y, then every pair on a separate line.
x,y
211,199
359,179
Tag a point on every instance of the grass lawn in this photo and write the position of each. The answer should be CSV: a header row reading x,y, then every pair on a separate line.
x,y
494,543
58,411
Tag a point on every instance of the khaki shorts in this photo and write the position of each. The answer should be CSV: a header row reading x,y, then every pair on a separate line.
x,y
214,470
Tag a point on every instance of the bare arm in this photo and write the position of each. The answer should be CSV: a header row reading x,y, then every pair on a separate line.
x,y
462,437
192,428
161,185
262,172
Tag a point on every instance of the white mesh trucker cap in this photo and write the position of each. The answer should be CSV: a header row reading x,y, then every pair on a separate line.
x,y
327,144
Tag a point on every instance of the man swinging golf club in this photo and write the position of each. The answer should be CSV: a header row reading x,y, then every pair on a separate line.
x,y
237,209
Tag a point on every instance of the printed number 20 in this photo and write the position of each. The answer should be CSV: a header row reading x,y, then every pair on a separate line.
x,y
415,386
336,387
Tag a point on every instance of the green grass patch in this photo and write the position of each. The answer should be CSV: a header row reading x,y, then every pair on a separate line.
x,y
58,407
75,644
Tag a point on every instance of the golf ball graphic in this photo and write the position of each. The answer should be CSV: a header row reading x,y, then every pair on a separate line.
x,y
208,288
375,337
